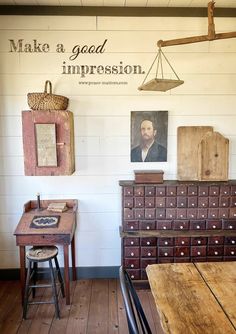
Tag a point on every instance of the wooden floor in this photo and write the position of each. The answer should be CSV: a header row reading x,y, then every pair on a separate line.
x,y
96,308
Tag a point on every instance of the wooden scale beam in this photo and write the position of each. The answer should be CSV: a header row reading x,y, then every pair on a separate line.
x,y
211,36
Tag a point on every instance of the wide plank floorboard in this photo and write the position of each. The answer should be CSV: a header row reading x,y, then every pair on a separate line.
x,y
96,308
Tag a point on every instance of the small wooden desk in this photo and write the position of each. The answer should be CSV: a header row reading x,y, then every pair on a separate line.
x,y
61,235
195,298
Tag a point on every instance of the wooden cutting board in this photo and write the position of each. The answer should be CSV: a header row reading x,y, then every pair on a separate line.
x,y
213,157
188,139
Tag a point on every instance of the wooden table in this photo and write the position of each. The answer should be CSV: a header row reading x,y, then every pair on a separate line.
x,y
195,298
61,235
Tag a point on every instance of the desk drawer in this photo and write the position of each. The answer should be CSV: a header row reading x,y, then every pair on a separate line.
x,y
43,240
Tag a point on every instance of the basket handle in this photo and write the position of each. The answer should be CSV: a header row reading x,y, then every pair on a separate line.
x,y
47,82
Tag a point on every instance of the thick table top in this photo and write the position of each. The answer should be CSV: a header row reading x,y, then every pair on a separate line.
x,y
195,298
66,224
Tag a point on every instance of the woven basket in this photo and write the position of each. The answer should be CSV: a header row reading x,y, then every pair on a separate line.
x,y
47,100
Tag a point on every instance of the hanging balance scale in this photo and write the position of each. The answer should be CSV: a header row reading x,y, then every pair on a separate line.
x,y
162,84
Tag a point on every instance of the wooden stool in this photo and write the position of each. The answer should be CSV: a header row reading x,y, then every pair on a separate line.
x,y
34,256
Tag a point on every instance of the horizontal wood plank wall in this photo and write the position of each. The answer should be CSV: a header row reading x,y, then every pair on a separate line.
x,y
102,114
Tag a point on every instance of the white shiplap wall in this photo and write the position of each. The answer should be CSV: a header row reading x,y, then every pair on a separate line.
x,y
102,115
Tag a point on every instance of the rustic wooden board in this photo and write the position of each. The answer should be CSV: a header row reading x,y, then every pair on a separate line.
x,y
185,303
64,123
188,139
213,156
221,278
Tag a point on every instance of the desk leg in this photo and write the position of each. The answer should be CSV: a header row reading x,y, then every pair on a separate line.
x,y
66,274
22,271
73,258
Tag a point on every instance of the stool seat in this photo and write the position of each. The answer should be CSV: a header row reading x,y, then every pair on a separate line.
x,y
40,253
35,255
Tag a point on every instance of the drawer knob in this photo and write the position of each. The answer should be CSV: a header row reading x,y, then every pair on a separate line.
x,y
128,216
182,253
171,204
132,266
164,227
225,192
182,192
216,253
203,204
233,242
139,215
148,242
132,276
223,215
199,242
161,192
139,193
131,243
161,215
139,204
224,204
182,242
230,226
149,204
216,241
203,216
149,254
131,227
160,204
232,252
166,254
198,227
192,204
148,227
132,254
181,216
171,216
214,192
198,253
214,226
166,242
129,192
182,204
149,192
171,192
181,227
193,193
149,215
204,193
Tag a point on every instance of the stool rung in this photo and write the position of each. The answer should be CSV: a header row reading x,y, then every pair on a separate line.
x,y
42,302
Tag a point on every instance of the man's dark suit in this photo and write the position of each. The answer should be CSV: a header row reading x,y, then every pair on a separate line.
x,y
156,152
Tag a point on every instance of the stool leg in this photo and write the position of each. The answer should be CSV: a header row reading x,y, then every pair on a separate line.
x,y
60,277
35,267
55,297
26,297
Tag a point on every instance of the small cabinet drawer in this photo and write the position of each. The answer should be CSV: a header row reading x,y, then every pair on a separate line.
x,y
160,202
128,202
166,241
198,241
214,191
149,202
181,214
213,225
230,251
139,202
232,213
171,191
192,190
164,225
182,241
148,251
198,251
131,225
182,190
216,240
149,191
229,224
132,264
131,241
149,241
181,225
203,202
182,202
171,202
202,213
134,273
203,191
182,251
128,191
225,190
192,213
224,202
223,213
233,201
160,191
171,213
161,213
150,213
230,240
147,225
197,225
213,213
166,251
192,202
215,250
139,213
138,191
213,202
128,213
131,251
